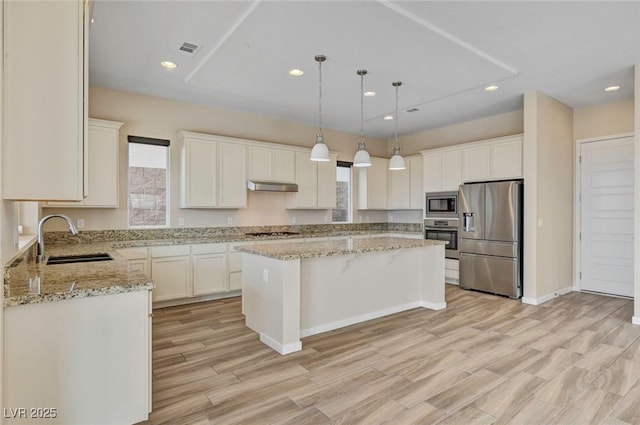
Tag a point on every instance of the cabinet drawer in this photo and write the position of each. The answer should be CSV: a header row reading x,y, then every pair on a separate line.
x,y
209,248
169,251
134,253
450,264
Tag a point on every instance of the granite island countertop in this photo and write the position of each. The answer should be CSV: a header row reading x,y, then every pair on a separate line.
x,y
313,249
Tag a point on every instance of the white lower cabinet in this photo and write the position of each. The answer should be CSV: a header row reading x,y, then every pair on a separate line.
x,y
170,271
209,264
451,271
76,370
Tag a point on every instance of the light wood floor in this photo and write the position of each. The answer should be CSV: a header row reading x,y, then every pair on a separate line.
x,y
483,360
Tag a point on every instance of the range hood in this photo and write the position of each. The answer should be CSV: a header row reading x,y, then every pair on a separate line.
x,y
271,186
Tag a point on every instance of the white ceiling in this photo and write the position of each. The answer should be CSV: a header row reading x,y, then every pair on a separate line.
x,y
444,52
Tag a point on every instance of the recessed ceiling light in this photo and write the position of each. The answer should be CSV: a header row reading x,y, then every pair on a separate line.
x,y
296,72
169,64
369,93
612,88
491,88
388,117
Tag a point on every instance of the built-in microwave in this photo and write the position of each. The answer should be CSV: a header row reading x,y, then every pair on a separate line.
x,y
441,205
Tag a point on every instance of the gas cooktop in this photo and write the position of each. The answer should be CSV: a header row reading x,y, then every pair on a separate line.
x,y
285,233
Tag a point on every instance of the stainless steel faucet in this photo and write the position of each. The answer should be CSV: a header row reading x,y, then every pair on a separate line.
x,y
72,229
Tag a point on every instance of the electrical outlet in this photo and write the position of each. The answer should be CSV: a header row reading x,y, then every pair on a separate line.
x,y
326,218
390,217
294,219
265,275
367,217
180,221
229,221
80,223
360,218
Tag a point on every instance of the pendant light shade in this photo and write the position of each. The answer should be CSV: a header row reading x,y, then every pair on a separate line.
x,y
397,161
320,151
362,158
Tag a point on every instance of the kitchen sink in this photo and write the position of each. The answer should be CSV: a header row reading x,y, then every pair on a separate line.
x,y
84,258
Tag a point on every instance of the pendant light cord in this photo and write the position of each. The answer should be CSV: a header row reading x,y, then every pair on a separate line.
x,y
396,120
320,97
361,107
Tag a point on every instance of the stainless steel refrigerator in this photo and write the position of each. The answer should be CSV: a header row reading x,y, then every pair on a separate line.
x,y
490,237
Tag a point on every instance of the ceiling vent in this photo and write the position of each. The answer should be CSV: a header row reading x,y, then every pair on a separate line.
x,y
413,110
189,48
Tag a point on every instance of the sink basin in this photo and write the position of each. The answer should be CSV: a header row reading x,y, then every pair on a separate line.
x,y
85,258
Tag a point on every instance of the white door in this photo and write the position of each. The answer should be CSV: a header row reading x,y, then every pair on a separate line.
x,y
606,216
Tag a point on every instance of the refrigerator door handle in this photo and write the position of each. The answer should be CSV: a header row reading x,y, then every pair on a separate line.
x,y
468,222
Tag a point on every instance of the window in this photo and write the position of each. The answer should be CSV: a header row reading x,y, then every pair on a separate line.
x,y
148,177
342,213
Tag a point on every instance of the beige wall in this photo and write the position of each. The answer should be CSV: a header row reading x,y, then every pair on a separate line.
x,y
603,120
548,216
163,118
469,131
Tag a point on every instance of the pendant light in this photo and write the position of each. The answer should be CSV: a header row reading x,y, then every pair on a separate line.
x,y
362,158
320,151
397,161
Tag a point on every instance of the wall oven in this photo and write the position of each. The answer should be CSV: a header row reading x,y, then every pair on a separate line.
x,y
441,205
443,230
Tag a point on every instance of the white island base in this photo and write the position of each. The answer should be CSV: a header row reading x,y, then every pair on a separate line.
x,y
287,298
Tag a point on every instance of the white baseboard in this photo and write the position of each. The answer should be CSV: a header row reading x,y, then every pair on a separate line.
x,y
280,348
357,319
433,306
635,320
548,297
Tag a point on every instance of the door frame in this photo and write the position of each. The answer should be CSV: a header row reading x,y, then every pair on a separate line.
x,y
577,181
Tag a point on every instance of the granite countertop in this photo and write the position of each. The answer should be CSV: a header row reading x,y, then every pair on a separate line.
x,y
312,249
32,282
28,282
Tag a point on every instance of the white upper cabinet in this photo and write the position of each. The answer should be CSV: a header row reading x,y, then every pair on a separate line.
x,y
475,163
442,170
506,159
267,163
316,183
103,143
404,187
495,159
232,184
372,185
213,172
44,100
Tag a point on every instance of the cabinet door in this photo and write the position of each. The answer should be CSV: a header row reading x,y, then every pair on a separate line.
x,y
506,159
377,184
307,179
416,196
233,175
327,176
451,170
475,163
209,274
44,117
171,276
432,172
399,190
284,165
199,177
103,167
261,163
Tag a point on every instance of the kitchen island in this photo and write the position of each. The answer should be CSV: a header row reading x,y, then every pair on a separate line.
x,y
294,290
